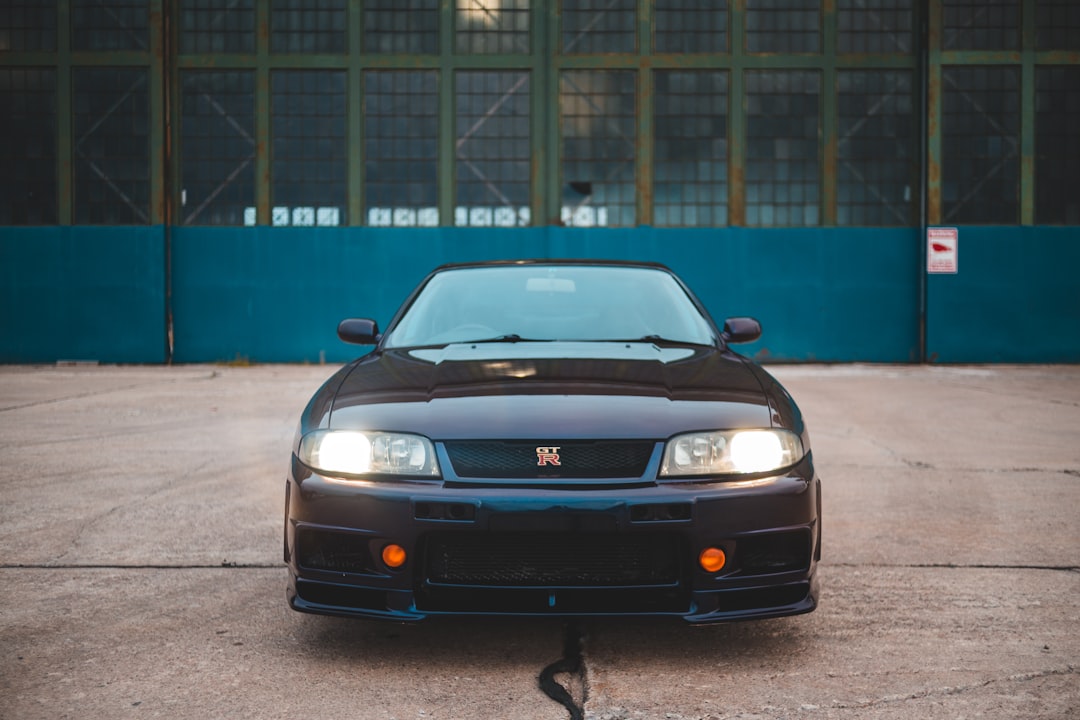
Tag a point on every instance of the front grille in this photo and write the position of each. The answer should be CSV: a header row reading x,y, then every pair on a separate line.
x,y
553,559
577,459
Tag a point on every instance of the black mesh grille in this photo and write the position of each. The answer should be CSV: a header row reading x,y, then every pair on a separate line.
x,y
514,459
553,559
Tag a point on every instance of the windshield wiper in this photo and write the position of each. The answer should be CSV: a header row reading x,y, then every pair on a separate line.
x,y
657,340
508,338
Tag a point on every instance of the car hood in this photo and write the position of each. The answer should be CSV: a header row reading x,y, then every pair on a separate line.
x,y
550,390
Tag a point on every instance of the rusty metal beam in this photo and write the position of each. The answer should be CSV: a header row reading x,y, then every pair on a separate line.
x,y
1027,114
737,115
262,114
933,115
829,120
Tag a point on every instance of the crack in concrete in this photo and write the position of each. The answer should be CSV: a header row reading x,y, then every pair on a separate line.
x,y
920,465
95,393
856,705
954,690
90,522
223,565
955,566
572,665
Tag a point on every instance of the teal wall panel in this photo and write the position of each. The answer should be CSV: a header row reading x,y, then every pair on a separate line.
x,y
276,294
82,293
268,294
821,295
1016,298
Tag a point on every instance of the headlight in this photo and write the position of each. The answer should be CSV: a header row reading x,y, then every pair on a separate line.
x,y
350,452
730,452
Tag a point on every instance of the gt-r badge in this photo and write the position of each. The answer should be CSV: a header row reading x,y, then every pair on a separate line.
x,y
547,456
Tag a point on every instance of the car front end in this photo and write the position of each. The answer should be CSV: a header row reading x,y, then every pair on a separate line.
x,y
561,497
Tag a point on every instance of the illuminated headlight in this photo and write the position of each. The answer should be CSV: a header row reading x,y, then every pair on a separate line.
x,y
730,452
350,452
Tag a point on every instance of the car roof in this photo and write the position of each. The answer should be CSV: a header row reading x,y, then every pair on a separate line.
x,y
554,261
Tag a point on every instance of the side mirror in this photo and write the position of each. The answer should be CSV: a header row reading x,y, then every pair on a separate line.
x,y
741,330
359,331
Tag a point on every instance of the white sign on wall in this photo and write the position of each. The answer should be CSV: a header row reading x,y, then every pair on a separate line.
x,y
942,250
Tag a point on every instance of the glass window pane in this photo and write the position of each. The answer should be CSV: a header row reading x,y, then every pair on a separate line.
x,y
783,172
217,26
308,26
876,182
980,145
879,26
110,25
217,147
1057,24
28,25
492,26
401,26
598,147
690,26
493,150
401,134
599,26
309,165
111,146
981,24
1057,145
690,148
28,142
783,26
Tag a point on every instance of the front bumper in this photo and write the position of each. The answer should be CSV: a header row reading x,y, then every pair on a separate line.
x,y
543,551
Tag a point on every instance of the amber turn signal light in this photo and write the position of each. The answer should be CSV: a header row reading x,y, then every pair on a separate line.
x,y
394,556
712,559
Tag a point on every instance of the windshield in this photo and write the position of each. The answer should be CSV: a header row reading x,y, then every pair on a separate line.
x,y
550,302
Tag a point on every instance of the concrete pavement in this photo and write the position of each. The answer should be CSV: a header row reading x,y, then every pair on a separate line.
x,y
141,574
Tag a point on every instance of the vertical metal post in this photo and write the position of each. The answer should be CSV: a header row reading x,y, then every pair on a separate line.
x,y
829,119
354,114
547,107
644,125
65,169
737,115
263,195
922,40
1027,113
446,155
932,73
165,9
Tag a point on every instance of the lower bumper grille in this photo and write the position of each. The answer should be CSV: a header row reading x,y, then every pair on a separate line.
x,y
553,560
333,551
778,552
553,602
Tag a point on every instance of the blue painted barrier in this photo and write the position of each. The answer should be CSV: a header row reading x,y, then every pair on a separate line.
x,y
266,294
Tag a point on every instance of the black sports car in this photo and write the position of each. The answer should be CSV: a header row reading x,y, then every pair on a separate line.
x,y
552,438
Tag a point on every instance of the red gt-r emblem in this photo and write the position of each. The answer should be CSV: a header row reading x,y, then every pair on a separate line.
x,y
547,456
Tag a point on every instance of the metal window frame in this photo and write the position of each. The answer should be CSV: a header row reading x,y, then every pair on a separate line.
x,y
544,62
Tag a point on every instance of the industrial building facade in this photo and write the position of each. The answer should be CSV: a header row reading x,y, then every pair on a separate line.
x,y
212,180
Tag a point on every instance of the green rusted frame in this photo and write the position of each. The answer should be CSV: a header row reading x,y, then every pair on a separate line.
x,y
544,62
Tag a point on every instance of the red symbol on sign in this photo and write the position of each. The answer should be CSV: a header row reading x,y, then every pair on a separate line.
x,y
941,245
547,456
